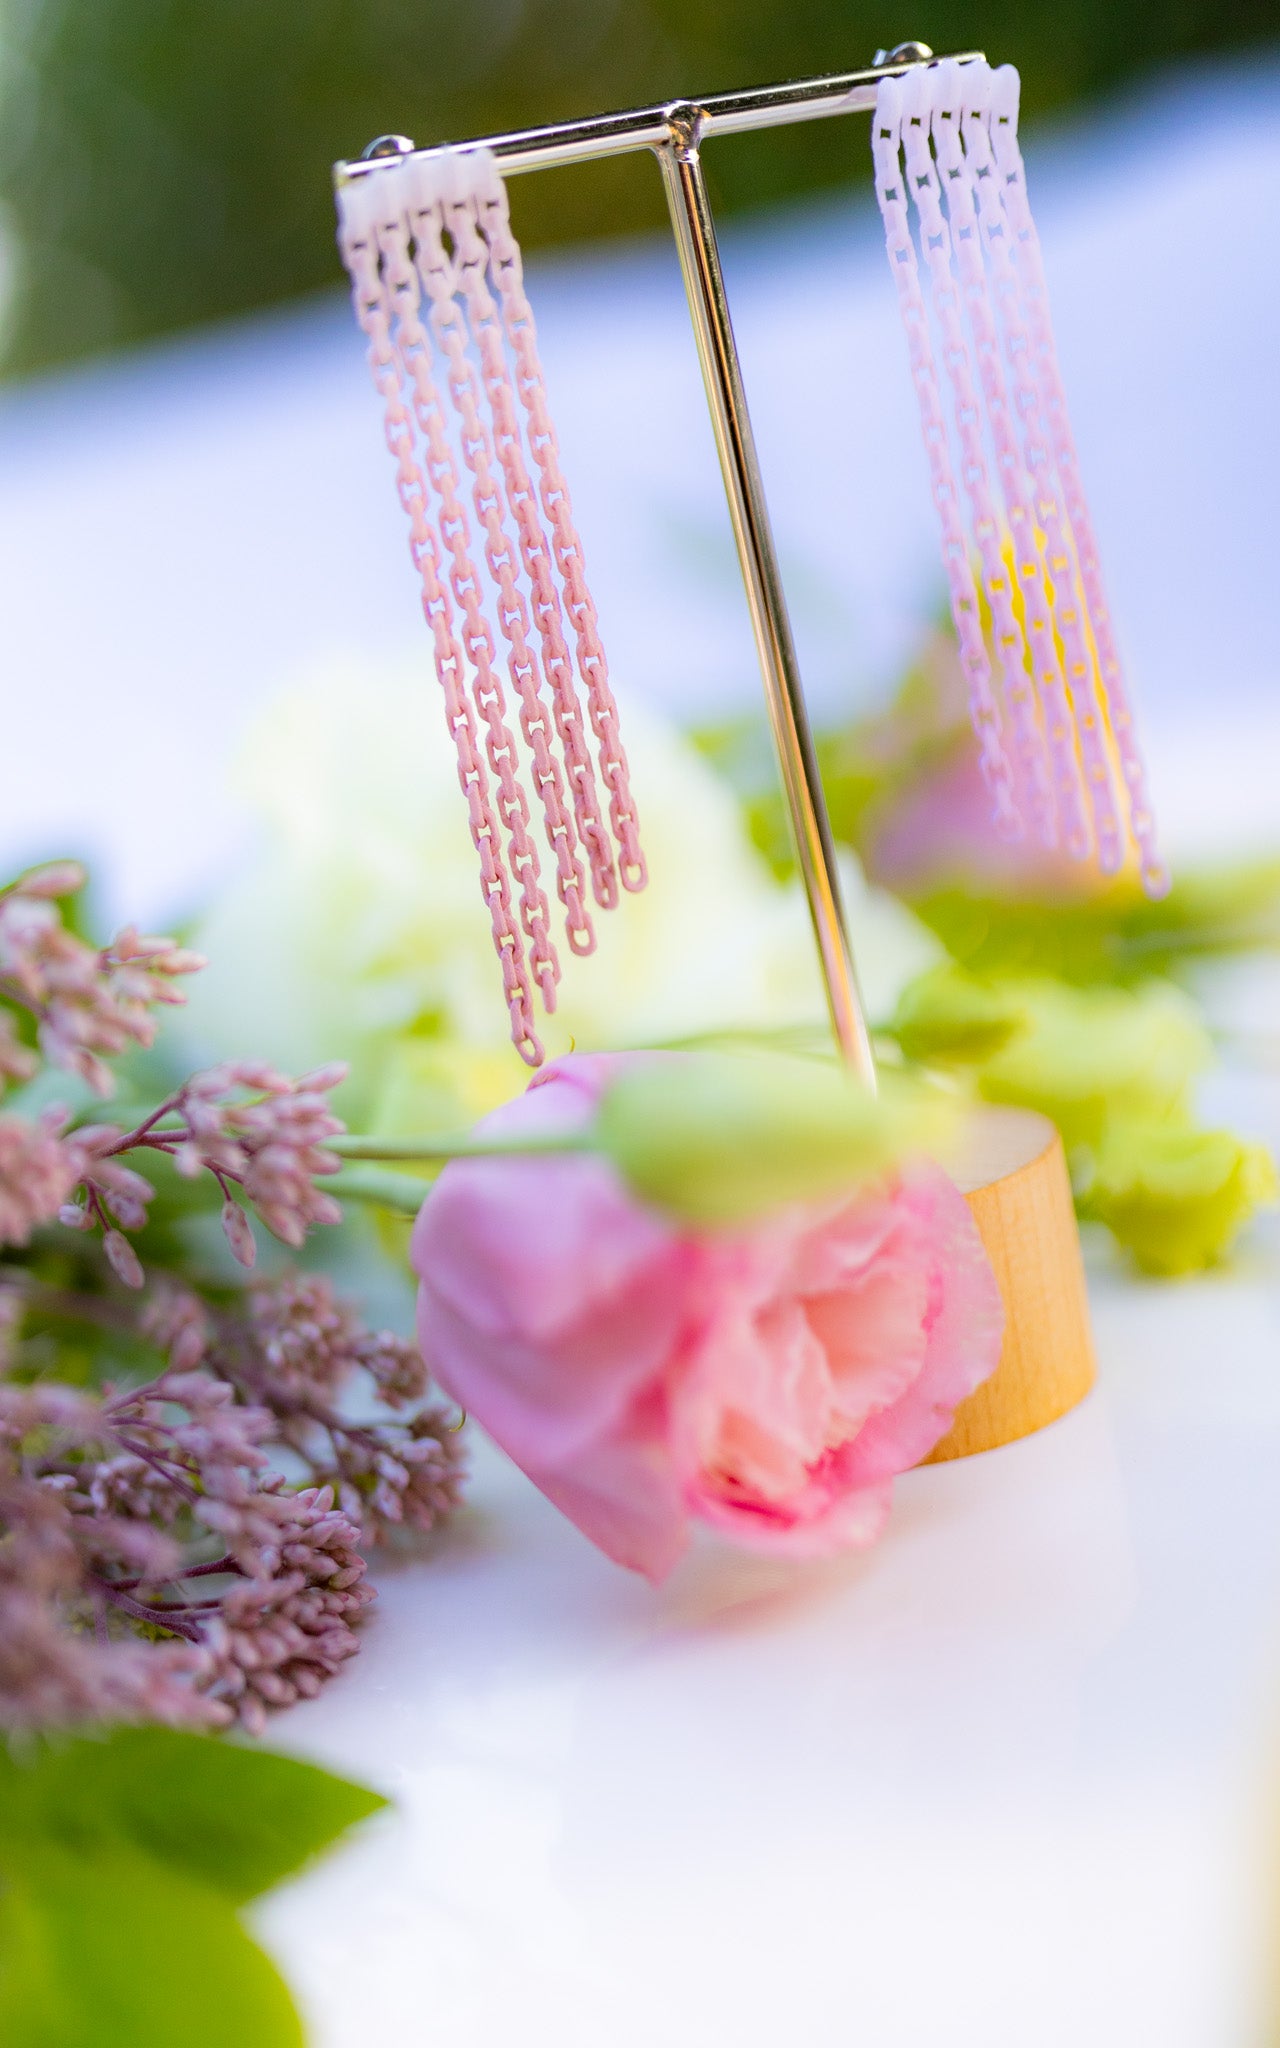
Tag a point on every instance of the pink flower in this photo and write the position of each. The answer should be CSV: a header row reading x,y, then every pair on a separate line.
x,y
770,1381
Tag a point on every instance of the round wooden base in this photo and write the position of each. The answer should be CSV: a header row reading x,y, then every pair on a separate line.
x,y
1009,1165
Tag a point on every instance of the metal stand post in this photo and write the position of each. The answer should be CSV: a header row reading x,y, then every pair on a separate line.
x,y
722,375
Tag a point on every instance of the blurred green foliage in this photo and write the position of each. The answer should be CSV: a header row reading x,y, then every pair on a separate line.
x,y
1115,1068
164,163
124,1857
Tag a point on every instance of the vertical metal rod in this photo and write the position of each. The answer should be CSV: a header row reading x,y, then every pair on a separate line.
x,y
721,372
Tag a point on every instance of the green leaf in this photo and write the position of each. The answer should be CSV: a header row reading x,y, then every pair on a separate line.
x,y
237,1819
1113,933
1176,1197
721,1137
112,1950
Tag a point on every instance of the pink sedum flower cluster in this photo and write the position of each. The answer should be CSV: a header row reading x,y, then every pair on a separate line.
x,y
770,1381
89,1003
191,1549
252,1128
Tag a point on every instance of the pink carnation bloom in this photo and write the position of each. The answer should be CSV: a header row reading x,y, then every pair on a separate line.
x,y
770,1380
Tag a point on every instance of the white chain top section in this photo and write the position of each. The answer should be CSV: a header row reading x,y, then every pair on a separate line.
x,y
360,216
1048,626
886,144
414,234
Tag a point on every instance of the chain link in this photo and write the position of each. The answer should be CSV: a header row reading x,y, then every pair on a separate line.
x,y
985,526
414,349
508,277
956,125
359,241
1069,611
467,274
886,144
956,176
998,123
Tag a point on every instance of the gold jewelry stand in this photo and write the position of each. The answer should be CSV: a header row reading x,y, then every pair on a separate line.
x,y
1015,1181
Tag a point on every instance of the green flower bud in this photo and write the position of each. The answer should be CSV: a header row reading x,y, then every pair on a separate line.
x,y
718,1138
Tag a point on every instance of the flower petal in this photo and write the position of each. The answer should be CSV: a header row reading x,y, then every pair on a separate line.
x,y
964,1325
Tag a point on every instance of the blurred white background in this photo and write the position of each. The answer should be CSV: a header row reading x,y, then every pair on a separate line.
x,y
183,530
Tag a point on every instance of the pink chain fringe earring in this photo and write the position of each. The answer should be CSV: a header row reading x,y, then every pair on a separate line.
x,y
437,281
944,139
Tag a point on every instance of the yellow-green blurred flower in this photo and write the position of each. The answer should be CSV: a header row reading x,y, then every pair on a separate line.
x,y
1087,1056
1081,1055
1174,1196
1115,1069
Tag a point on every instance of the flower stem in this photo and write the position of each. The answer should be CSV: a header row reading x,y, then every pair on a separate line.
x,y
141,1131
178,1620
397,1191
430,1151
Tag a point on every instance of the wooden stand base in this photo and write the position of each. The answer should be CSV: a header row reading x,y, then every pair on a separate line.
x,y
1010,1167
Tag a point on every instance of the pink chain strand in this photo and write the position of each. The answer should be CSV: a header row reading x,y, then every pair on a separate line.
x,y
886,141
1068,611
957,181
508,277
413,347
467,273
482,316
1001,127
357,240
985,525
488,506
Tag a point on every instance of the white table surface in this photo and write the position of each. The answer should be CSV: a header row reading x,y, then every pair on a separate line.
x,y
998,1782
